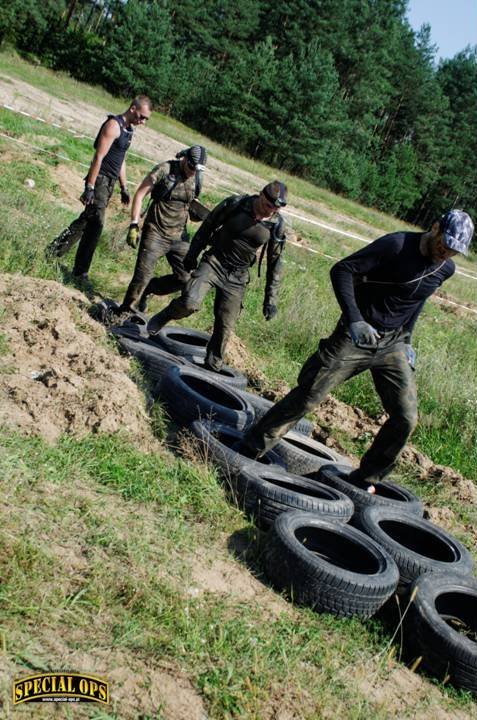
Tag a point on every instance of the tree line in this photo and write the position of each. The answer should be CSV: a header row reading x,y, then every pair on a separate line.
x,y
341,92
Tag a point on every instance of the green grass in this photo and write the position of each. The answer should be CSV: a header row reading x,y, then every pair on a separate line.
x,y
129,528
99,542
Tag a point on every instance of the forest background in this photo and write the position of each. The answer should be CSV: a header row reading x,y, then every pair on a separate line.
x,y
343,93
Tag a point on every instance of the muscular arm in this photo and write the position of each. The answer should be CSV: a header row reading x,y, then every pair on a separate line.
x,y
122,175
108,135
144,188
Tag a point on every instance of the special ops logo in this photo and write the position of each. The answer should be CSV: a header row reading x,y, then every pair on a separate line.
x,y
60,687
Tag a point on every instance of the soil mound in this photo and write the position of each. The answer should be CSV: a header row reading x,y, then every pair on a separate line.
x,y
57,372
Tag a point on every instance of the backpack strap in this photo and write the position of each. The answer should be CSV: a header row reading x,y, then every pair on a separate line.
x,y
277,235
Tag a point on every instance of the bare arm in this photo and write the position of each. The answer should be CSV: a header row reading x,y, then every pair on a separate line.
x,y
108,135
144,189
122,175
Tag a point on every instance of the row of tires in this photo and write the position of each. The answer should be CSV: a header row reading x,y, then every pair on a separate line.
x,y
329,544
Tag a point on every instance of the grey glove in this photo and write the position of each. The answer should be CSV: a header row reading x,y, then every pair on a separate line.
x,y
363,334
410,355
87,197
269,310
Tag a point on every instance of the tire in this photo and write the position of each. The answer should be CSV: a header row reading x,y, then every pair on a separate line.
x,y
340,571
262,405
416,545
104,311
154,360
264,494
134,326
303,455
227,374
217,442
388,494
443,627
182,341
190,395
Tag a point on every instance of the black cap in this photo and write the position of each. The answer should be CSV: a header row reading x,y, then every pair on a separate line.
x,y
276,192
197,156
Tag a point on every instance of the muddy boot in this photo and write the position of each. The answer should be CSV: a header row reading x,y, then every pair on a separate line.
x,y
142,304
61,244
157,322
356,478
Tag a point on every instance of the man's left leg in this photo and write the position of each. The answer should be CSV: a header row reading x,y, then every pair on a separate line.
x,y
395,384
168,284
227,307
94,226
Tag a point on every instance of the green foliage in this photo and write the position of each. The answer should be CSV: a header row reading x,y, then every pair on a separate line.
x,y
345,94
137,57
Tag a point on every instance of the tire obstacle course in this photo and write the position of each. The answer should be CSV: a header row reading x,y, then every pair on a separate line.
x,y
327,544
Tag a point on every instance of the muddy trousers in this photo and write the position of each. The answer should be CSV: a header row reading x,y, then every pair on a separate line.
x,y
337,360
229,291
86,229
151,248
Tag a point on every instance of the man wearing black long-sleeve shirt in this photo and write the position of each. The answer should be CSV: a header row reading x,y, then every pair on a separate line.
x,y
237,229
381,290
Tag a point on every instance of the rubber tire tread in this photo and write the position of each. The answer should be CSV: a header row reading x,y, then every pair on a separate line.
x,y
300,461
411,564
229,461
229,375
263,500
314,581
443,649
328,475
165,340
155,361
186,404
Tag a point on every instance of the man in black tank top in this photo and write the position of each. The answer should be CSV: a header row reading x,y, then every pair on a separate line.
x,y
381,290
108,165
238,229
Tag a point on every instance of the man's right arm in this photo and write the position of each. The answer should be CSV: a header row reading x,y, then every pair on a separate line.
x,y
144,189
110,132
203,236
357,265
343,279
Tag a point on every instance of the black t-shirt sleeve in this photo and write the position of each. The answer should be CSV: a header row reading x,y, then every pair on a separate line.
x,y
371,257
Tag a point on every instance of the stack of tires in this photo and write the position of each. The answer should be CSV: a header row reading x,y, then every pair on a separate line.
x,y
328,544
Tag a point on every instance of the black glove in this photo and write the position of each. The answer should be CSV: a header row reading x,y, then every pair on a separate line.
x,y
363,334
132,237
87,197
125,197
189,263
269,310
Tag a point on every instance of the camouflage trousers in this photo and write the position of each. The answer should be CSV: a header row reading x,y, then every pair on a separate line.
x,y
336,360
86,229
229,291
152,247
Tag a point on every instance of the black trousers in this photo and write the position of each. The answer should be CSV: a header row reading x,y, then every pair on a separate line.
x,y
229,291
86,229
336,360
